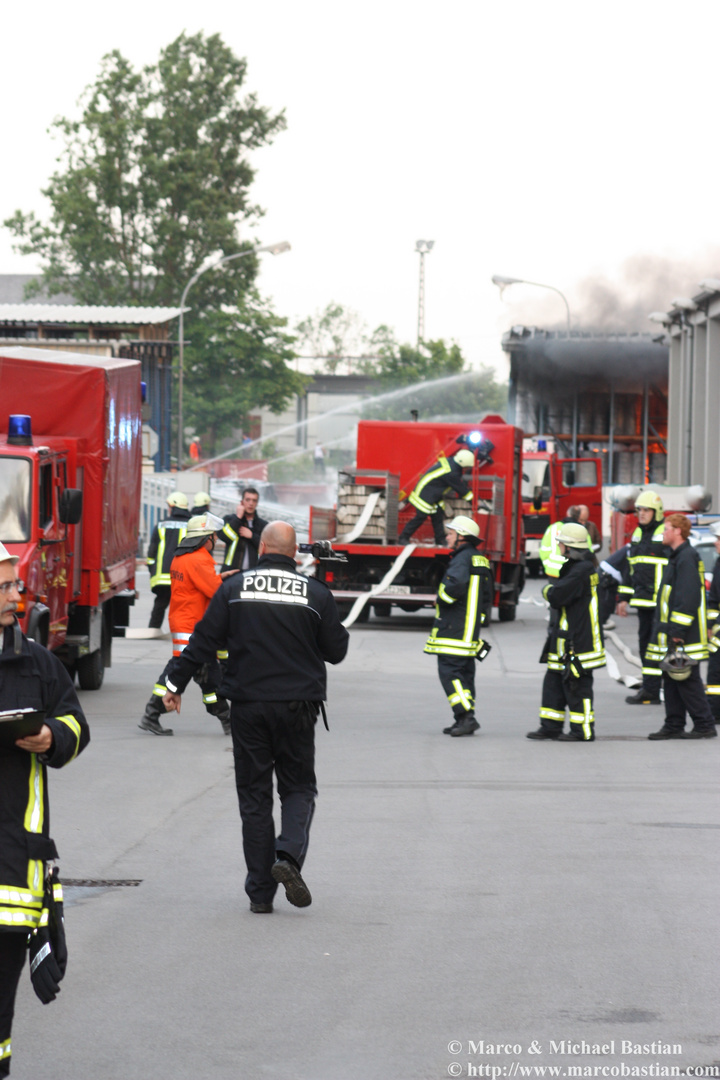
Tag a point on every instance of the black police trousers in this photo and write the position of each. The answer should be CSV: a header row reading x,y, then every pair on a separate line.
x,y
457,678
266,737
686,697
13,949
162,603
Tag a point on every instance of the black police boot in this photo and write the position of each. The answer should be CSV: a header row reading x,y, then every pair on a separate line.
x,y
666,732
643,697
700,733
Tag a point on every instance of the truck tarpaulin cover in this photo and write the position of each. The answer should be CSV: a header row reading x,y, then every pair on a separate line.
x,y
95,400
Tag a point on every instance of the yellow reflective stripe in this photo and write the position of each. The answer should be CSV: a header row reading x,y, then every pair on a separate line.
x,y
34,811
467,497
712,688
5,1050
234,537
9,894
222,654
551,714
462,696
472,606
585,718
647,559
642,603
445,595
74,726
678,617
651,671
595,620
158,578
159,690
209,699
450,647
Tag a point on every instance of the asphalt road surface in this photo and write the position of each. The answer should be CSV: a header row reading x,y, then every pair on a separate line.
x,y
485,906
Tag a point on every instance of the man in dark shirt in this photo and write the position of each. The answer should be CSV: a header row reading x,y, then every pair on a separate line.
x,y
241,533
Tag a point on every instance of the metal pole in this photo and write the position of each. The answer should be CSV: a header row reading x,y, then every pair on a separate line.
x,y
421,302
646,405
274,249
611,434
574,426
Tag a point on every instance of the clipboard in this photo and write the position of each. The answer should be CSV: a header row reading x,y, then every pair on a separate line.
x,y
18,723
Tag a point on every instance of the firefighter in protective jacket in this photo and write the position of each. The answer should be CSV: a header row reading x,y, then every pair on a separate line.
x,y
163,544
464,605
194,583
30,677
446,475
574,647
647,559
713,616
681,620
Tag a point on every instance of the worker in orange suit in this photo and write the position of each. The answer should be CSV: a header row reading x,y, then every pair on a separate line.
x,y
194,580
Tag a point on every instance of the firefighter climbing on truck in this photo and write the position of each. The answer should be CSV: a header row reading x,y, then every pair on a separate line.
x,y
446,475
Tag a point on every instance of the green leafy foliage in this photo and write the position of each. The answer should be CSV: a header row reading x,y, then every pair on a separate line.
x,y
440,386
333,333
236,360
152,180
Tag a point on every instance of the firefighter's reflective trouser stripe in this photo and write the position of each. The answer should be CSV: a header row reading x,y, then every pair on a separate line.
x,y
697,649
20,907
575,694
13,950
155,566
457,678
208,679
713,682
651,673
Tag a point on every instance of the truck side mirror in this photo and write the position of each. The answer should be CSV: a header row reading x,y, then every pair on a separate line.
x,y
570,477
70,506
537,497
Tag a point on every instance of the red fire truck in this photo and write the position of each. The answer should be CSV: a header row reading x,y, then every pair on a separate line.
x,y
550,485
70,471
372,510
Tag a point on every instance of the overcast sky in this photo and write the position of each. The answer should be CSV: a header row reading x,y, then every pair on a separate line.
x,y
563,142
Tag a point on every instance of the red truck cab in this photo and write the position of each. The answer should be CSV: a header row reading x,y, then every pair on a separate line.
x,y
70,473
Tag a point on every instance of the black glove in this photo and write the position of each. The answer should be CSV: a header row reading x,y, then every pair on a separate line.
x,y
48,948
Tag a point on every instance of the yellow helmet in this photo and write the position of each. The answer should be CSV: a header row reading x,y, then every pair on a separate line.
x,y
179,499
573,535
650,500
465,458
463,526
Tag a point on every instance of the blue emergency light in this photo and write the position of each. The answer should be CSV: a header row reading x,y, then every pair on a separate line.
x,y
19,430
475,438
541,444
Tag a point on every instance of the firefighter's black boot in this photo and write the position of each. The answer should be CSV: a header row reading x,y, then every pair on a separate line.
x,y
464,725
151,718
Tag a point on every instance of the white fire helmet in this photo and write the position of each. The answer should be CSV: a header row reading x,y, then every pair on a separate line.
x,y
465,458
463,526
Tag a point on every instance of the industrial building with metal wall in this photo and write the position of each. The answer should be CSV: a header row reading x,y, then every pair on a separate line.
x,y
693,324
594,394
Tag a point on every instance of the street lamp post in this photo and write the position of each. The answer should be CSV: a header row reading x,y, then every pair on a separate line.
x,y
423,247
502,282
274,249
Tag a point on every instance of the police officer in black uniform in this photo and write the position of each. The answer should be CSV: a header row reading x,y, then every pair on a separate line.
x,y
163,544
280,628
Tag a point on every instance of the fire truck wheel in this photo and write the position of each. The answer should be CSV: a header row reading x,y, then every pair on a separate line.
x,y
383,609
91,670
506,612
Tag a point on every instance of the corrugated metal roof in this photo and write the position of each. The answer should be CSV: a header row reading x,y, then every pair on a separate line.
x,y
84,314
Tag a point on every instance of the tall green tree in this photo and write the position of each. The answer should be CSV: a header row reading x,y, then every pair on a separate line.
x,y
153,179
432,378
237,359
332,334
